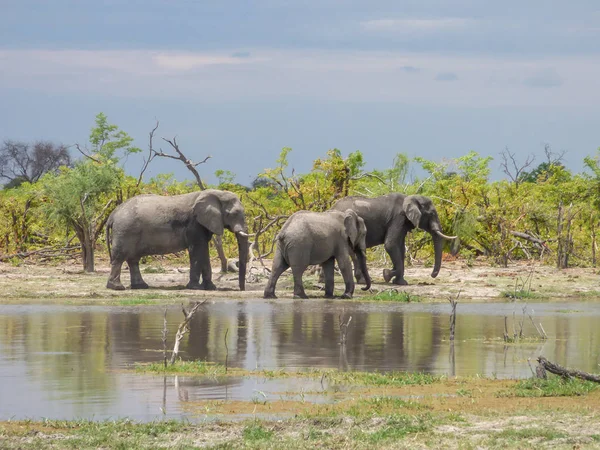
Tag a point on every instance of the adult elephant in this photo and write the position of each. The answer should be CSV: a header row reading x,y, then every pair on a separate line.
x,y
388,218
308,238
156,225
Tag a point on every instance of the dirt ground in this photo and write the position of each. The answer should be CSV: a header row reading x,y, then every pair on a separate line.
x,y
167,280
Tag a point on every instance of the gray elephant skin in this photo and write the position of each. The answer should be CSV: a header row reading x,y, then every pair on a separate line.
x,y
156,225
388,219
309,238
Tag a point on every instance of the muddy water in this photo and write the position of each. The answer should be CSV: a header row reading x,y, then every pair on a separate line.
x,y
71,362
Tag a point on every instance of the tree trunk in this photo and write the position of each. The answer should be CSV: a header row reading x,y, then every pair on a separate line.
x,y
88,254
87,248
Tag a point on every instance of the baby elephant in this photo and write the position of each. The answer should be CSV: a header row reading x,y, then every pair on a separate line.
x,y
320,238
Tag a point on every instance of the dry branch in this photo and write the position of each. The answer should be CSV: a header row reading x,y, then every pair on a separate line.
x,y
183,328
181,157
453,303
344,329
46,252
566,373
164,338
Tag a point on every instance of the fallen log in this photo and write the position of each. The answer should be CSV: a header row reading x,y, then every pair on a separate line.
x,y
564,372
530,238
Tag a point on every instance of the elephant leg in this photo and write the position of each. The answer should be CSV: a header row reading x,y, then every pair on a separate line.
x,y
346,269
358,275
114,279
297,272
279,266
200,265
395,247
328,274
137,282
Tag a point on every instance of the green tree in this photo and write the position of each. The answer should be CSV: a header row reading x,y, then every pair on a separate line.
x,y
82,197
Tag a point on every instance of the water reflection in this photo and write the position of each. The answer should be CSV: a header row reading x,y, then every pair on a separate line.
x,y
58,361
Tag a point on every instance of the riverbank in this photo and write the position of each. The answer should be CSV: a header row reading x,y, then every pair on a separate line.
x,y
66,283
443,413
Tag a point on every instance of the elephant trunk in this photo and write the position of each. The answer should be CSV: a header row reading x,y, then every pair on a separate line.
x,y
362,262
242,240
438,244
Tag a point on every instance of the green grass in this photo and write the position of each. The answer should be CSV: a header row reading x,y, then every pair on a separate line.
x,y
395,428
256,432
383,378
392,295
394,379
381,404
183,367
137,301
552,387
85,434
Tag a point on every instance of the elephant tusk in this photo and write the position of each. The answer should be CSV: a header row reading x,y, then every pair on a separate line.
x,y
450,238
241,233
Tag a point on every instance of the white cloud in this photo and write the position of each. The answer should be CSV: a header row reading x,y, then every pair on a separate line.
x,y
188,61
324,75
415,25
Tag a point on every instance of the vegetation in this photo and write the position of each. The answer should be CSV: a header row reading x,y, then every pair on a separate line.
x,y
537,213
553,386
481,417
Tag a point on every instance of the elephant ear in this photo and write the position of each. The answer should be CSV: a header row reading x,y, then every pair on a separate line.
x,y
351,225
208,212
412,210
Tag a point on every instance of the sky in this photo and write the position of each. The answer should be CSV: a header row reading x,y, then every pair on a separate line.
x,y
241,80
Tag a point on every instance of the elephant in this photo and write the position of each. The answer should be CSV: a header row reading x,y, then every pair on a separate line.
x,y
156,225
308,238
388,218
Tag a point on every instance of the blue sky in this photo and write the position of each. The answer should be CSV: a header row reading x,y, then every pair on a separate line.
x,y
241,80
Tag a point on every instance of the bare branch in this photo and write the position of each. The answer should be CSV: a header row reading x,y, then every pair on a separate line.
x,y
151,155
188,163
510,166
77,146
183,328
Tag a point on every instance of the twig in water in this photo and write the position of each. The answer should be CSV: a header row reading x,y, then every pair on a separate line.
x,y
453,303
530,366
344,329
183,328
164,338
226,349
542,335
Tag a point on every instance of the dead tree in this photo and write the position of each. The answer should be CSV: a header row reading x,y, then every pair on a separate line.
x,y
192,167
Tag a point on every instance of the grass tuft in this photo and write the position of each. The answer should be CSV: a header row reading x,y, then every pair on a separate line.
x,y
256,432
392,295
395,428
551,387
183,367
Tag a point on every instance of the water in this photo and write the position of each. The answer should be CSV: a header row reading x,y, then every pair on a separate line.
x,y
74,362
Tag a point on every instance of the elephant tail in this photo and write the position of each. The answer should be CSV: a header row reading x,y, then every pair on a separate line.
x,y
108,230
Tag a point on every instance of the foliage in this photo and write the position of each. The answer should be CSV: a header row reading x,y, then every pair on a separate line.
x,y
543,214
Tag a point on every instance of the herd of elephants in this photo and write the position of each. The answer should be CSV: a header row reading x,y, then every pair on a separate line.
x,y
153,225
